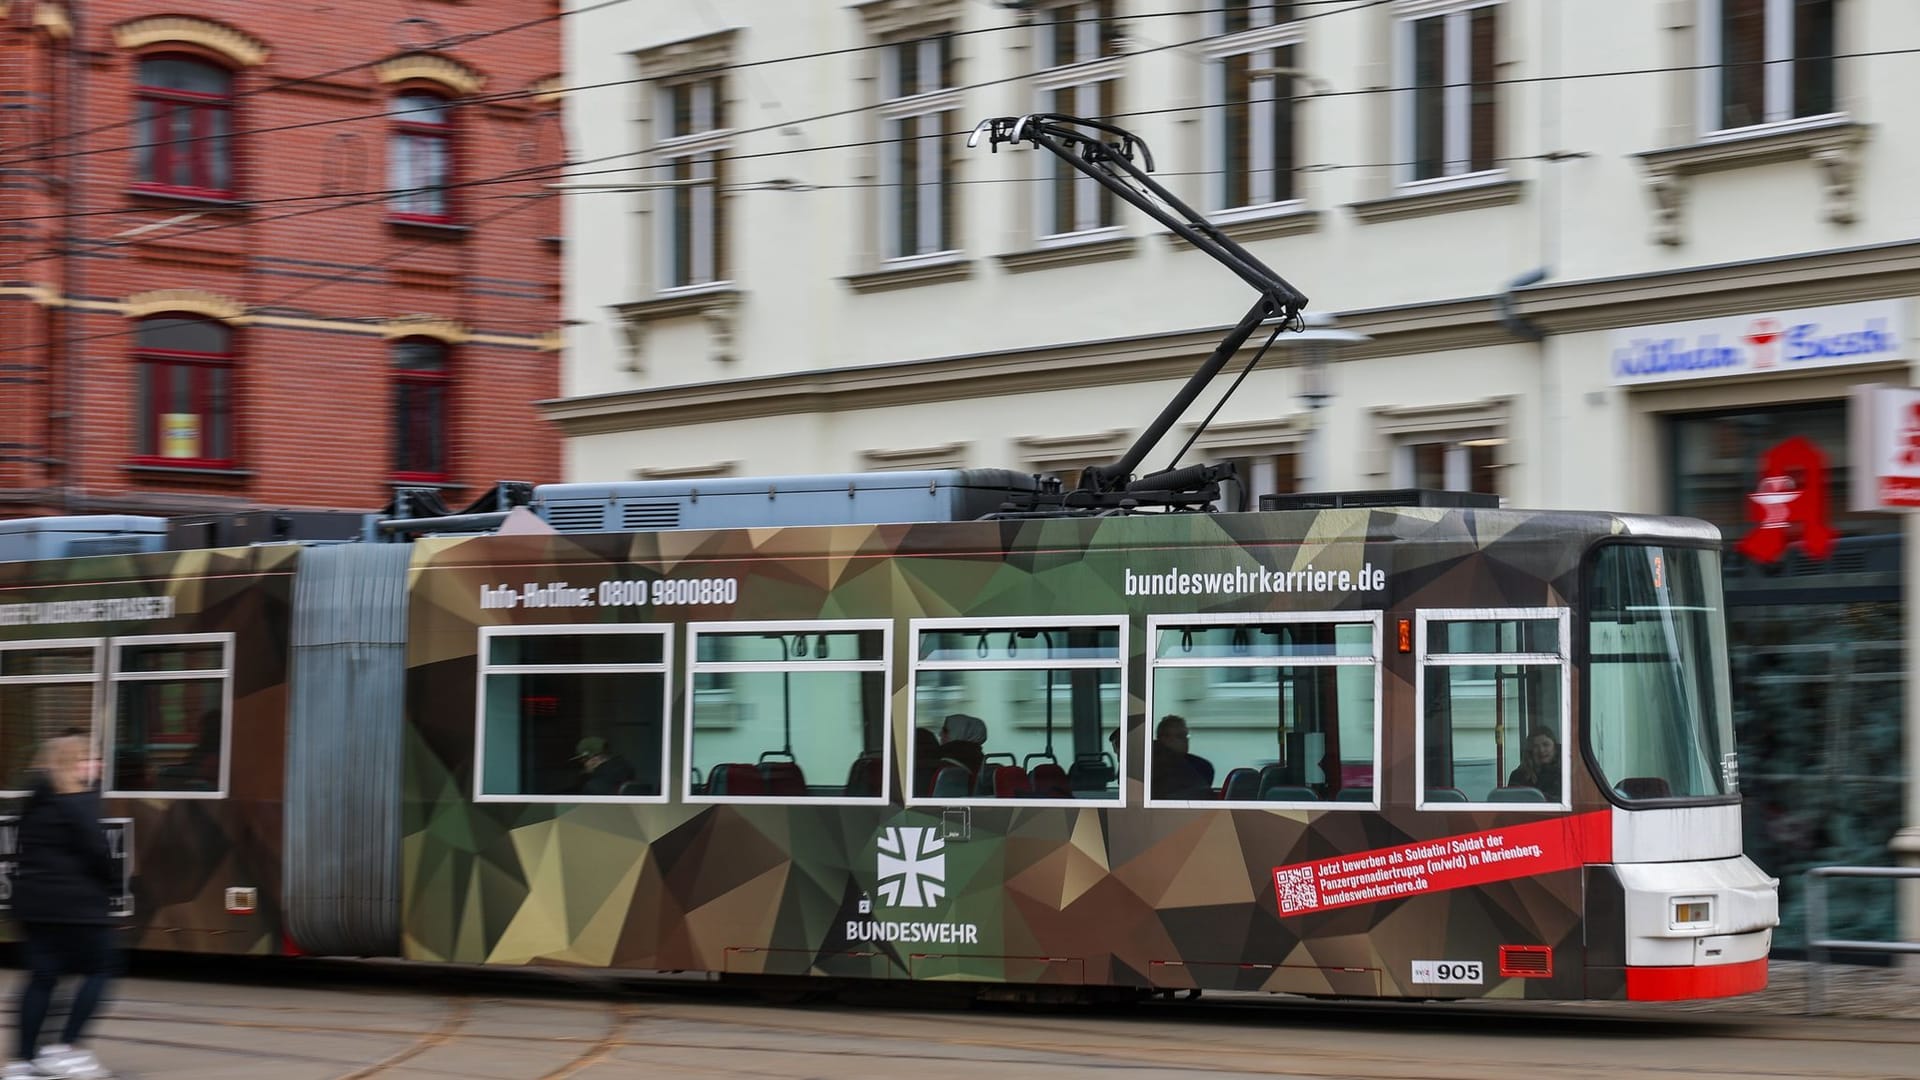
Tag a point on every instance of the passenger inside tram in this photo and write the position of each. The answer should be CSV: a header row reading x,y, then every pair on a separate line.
x,y
1178,774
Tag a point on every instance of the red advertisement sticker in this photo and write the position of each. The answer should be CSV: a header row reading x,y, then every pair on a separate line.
x,y
1450,862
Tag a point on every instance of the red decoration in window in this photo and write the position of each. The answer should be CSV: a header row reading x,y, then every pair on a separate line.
x,y
1790,504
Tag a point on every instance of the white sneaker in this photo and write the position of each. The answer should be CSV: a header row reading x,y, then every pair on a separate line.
x,y
52,1060
69,1063
20,1070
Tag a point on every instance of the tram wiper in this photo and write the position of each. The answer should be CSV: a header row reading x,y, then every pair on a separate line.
x,y
1106,153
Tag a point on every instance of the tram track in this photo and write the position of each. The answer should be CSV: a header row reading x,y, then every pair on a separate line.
x,y
379,1028
405,1022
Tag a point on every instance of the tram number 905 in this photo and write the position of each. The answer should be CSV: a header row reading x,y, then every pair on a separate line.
x,y
1456,972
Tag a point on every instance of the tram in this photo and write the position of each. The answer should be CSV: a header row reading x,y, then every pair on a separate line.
x,y
963,726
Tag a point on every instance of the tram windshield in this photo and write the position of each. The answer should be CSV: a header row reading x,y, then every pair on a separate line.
x,y
1660,719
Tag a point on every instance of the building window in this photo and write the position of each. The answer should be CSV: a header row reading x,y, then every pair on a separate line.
x,y
185,391
1450,119
420,158
1260,474
420,379
184,112
917,163
1768,61
1080,66
573,713
691,151
1252,80
1470,464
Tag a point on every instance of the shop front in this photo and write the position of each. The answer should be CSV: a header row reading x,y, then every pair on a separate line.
x,y
1751,420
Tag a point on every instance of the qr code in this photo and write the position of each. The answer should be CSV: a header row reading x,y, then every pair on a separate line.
x,y
1297,890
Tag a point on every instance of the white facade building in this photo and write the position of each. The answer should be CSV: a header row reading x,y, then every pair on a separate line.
x,y
789,262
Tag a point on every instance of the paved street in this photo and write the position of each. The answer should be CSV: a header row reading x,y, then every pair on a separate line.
x,y
382,1020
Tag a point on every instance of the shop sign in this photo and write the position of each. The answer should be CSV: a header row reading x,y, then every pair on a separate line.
x,y
1883,424
1788,504
1870,332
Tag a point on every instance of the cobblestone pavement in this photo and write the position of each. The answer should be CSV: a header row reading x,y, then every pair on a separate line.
x,y
1849,990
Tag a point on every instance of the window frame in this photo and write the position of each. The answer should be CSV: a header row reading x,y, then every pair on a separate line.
x,y
1094,82
1373,617
1456,132
446,134
883,665
200,365
1777,84
202,146
706,257
111,729
1274,40
892,110
915,627
96,677
443,380
664,631
1423,659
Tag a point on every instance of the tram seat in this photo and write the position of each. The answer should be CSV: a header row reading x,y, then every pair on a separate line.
x,y
1288,793
1090,774
983,785
952,782
864,775
1050,782
1242,785
1010,782
1354,794
735,778
783,778
1517,793
1644,787
1446,794
923,773
1271,776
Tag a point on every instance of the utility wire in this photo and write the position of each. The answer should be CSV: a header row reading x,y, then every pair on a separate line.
x,y
742,65
452,42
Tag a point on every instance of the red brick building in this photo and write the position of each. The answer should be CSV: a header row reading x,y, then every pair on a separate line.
x,y
263,254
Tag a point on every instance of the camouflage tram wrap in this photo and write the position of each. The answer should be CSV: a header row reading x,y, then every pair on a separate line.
x,y
734,751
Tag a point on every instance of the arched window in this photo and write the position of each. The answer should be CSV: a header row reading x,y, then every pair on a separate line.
x,y
420,161
185,391
420,385
184,112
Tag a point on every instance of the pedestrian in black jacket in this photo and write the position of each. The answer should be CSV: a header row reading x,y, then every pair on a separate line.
x,y
61,891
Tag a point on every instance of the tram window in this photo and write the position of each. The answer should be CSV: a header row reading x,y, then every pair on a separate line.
x,y
1279,710
788,711
1494,708
1661,719
170,699
573,714
45,692
1016,711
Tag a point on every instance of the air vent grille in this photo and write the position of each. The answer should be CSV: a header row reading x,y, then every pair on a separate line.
x,y
643,516
577,516
1526,961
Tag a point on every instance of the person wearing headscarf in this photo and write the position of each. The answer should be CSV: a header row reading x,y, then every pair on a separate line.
x,y
961,737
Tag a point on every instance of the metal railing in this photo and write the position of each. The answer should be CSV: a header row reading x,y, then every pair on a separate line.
x,y
1819,945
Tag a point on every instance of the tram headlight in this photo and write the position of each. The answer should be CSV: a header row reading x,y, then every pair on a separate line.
x,y
1691,913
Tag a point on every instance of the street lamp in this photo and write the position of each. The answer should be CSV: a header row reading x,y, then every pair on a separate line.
x,y
1316,346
